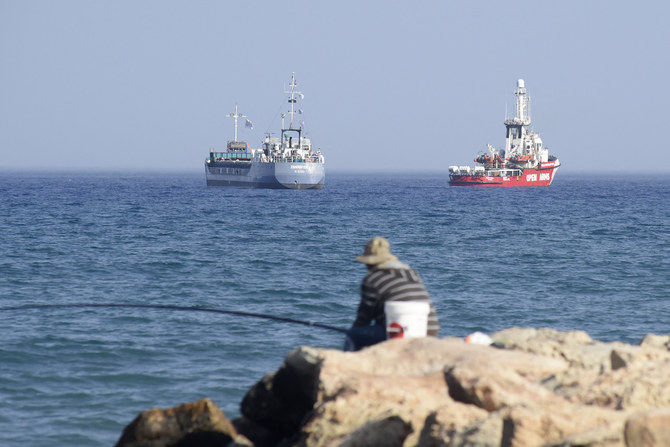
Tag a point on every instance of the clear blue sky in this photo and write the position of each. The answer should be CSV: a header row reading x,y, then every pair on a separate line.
x,y
389,86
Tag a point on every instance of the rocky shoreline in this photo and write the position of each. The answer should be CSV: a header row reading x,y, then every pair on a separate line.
x,y
533,387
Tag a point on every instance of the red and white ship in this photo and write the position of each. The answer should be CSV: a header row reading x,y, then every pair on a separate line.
x,y
524,162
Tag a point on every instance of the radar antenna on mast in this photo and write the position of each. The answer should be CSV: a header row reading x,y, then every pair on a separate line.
x,y
522,103
236,115
292,99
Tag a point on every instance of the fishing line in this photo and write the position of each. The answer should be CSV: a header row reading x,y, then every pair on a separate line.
x,y
170,307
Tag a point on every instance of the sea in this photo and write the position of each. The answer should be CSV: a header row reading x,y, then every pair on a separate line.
x,y
589,253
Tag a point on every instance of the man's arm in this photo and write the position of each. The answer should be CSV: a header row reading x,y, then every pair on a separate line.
x,y
367,307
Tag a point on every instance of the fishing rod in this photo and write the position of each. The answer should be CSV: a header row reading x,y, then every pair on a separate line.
x,y
170,307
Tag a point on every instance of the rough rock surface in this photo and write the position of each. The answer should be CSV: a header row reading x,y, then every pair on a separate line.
x,y
533,387
200,423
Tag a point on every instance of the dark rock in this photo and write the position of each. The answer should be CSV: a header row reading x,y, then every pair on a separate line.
x,y
199,423
258,434
282,400
388,432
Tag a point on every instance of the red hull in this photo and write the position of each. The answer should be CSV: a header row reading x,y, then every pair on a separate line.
x,y
541,176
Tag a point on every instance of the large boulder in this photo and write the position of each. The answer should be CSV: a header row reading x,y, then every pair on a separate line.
x,y
649,428
531,387
200,424
609,375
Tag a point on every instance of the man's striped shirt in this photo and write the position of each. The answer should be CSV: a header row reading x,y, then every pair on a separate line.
x,y
392,281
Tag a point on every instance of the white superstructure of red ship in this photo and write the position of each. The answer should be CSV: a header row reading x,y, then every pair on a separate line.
x,y
523,162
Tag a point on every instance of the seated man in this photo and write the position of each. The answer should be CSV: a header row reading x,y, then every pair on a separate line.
x,y
387,279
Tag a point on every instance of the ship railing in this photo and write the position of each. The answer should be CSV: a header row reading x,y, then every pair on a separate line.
x,y
221,156
279,159
508,172
480,171
461,170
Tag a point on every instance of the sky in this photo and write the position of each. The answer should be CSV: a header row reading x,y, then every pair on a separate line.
x,y
92,85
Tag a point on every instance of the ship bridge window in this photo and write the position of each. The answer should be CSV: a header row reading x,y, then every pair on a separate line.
x,y
513,132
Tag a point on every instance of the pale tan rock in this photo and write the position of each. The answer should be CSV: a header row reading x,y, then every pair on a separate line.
x,y
649,429
357,400
642,386
545,388
564,425
492,379
612,375
656,341
406,378
576,348
420,356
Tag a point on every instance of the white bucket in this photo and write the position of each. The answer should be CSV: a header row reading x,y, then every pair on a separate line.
x,y
406,319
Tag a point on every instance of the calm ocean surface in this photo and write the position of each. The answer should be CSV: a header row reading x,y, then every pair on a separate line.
x,y
588,253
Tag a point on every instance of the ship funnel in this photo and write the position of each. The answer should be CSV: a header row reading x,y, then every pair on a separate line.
x,y
520,83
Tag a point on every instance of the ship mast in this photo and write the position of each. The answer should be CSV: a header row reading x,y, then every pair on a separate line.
x,y
516,127
292,99
522,103
236,115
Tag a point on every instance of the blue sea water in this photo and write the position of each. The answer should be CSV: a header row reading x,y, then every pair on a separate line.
x,y
589,253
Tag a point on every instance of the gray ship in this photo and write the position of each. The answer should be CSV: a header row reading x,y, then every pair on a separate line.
x,y
285,162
